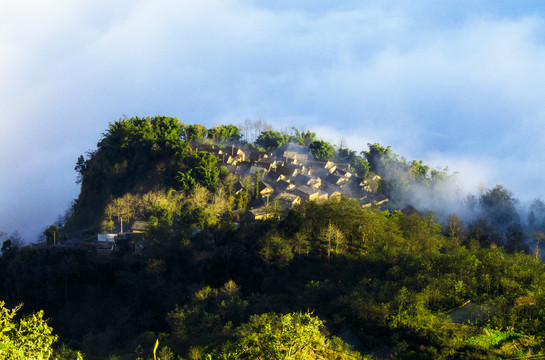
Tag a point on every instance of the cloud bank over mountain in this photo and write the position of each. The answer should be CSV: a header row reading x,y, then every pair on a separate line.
x,y
453,83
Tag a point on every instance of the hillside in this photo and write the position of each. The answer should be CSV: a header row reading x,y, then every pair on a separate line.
x,y
285,247
138,155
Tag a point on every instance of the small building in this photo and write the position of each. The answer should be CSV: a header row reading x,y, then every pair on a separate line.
x,y
331,166
322,196
288,200
343,172
318,172
265,189
206,147
217,151
410,210
228,159
315,182
127,241
300,153
105,237
335,179
139,226
211,148
332,190
274,176
267,164
307,193
260,214
295,157
253,169
372,199
235,152
290,161
316,164
343,167
282,185
304,179
288,170
243,168
256,156
237,188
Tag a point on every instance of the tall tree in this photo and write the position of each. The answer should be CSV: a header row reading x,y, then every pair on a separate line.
x,y
377,156
306,136
455,227
271,140
333,239
195,133
52,235
225,133
499,206
321,150
200,168
418,170
360,166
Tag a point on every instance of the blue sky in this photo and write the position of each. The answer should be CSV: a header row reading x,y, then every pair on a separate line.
x,y
457,83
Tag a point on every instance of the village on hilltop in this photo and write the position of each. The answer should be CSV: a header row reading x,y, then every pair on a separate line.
x,y
292,176
284,178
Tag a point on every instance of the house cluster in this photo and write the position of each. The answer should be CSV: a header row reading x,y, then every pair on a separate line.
x,y
286,179
293,176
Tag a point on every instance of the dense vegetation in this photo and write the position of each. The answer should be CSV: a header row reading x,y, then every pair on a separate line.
x,y
207,284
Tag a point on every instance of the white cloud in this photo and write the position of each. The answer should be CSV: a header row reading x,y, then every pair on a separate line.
x,y
464,82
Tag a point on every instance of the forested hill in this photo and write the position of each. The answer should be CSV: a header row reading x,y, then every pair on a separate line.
x,y
136,156
250,243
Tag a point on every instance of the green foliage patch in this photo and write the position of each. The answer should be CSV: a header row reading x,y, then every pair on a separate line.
x,y
493,338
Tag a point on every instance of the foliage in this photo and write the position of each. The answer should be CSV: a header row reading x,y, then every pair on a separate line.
x,y
136,152
271,140
194,134
200,169
52,235
345,156
225,133
321,150
360,166
418,170
389,275
205,315
28,338
275,336
305,137
499,205
491,338
378,156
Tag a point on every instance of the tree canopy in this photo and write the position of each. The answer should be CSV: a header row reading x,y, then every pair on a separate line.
x,y
271,140
321,150
27,338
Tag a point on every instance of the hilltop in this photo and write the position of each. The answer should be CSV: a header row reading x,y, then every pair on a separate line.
x,y
266,177
139,155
